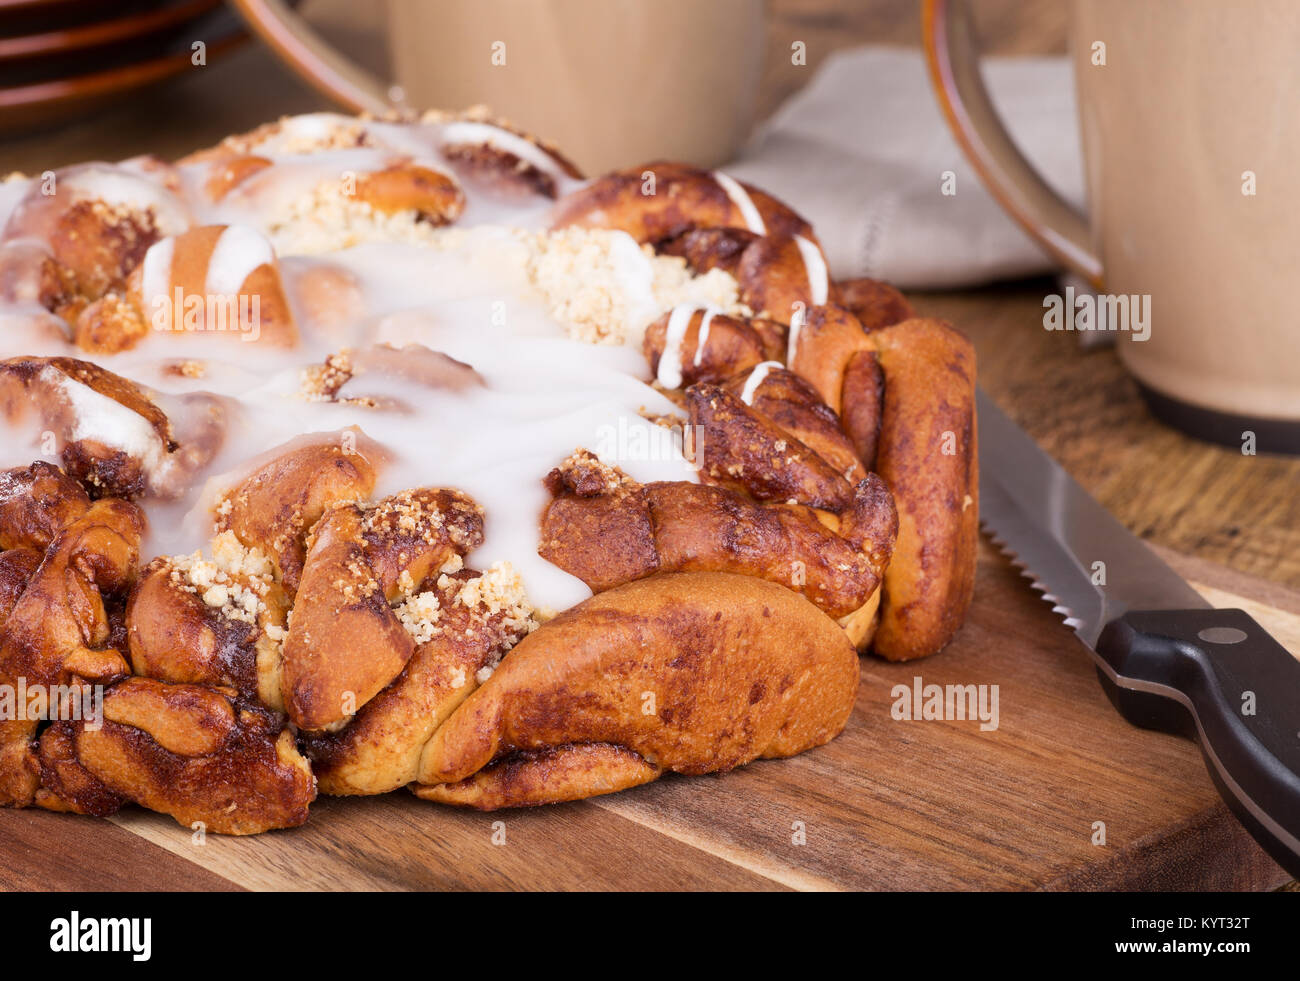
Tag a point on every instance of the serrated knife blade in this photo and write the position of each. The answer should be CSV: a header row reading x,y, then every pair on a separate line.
x,y
1166,657
1090,564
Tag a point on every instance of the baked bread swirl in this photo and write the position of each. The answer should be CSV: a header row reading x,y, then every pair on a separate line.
x,y
657,683
352,455
137,450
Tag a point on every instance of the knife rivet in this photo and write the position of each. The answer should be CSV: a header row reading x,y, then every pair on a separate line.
x,y
1222,635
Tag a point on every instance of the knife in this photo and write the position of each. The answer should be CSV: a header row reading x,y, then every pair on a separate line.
x,y
1167,658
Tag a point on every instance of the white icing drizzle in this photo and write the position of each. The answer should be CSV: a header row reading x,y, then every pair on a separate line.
x,y
462,131
238,251
741,199
156,274
105,420
819,278
669,374
635,277
310,126
756,378
796,328
670,362
703,337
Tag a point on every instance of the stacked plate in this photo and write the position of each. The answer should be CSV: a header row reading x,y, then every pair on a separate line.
x,y
65,58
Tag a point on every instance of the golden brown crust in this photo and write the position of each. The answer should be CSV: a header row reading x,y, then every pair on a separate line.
x,y
733,345
598,529
870,523
774,279
663,200
794,405
710,248
874,303
863,395
58,629
345,643
704,529
409,535
827,343
688,212
380,749
172,637
829,413
194,752
742,450
33,371
274,507
36,503
181,632
929,457
435,197
607,530
189,720
17,566
546,776
695,672
66,785
109,325
198,755
100,244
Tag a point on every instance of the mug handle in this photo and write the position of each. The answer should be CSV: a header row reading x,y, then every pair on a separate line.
x,y
1012,180
293,39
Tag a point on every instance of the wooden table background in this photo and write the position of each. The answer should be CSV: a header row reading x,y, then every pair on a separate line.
x,y
1197,500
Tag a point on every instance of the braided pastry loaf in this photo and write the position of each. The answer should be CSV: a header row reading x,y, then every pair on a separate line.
x,y
373,455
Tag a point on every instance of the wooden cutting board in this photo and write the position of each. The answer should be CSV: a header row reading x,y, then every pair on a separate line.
x,y
888,805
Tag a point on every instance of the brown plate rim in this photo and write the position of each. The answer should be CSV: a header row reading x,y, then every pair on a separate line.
x,y
111,80
103,32
15,6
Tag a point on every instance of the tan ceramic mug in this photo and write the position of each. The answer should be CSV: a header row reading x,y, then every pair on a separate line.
x,y
613,82
1190,118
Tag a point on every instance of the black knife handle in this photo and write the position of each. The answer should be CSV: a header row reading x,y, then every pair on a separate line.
x,y
1217,676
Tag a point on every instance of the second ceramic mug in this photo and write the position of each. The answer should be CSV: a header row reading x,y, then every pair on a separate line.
x,y
1190,118
613,82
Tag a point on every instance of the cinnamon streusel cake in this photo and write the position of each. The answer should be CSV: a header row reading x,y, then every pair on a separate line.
x,y
351,455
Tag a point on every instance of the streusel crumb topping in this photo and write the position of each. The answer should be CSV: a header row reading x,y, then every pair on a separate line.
x,y
233,582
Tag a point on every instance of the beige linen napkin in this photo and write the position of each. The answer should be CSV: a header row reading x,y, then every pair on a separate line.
x,y
862,151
